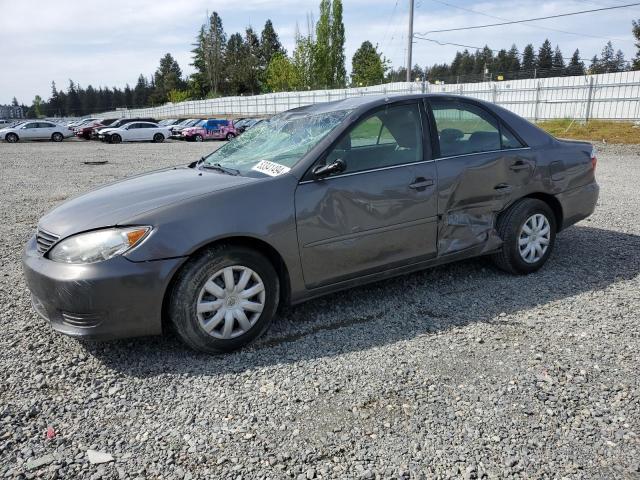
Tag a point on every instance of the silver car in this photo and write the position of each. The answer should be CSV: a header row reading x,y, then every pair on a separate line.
x,y
35,130
314,200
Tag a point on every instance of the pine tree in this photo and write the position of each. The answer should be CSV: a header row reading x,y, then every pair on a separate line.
x,y
513,61
636,33
199,83
576,66
235,65
269,43
56,107
557,63
89,100
607,59
252,61
167,78
596,65
339,74
367,66
73,106
128,96
140,92
528,60
620,64
544,62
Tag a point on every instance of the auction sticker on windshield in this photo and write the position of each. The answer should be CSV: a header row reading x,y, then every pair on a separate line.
x,y
270,168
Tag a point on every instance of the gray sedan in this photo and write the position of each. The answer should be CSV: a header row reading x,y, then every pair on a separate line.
x,y
314,200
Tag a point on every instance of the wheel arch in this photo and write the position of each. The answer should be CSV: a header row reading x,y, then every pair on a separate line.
x,y
553,203
12,133
241,241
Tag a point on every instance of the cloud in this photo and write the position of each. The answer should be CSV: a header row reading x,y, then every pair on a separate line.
x,y
111,44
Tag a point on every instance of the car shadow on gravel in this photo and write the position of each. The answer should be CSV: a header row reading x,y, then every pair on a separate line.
x,y
586,259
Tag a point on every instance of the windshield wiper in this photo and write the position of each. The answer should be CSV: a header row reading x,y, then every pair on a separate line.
x,y
220,168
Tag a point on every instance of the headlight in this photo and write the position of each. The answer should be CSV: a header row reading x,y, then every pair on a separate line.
x,y
99,245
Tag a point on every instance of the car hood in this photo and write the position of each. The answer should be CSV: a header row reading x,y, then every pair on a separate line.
x,y
116,203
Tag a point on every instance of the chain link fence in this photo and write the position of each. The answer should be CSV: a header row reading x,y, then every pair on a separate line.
x,y
609,96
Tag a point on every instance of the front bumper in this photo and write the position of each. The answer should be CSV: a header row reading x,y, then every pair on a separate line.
x,y
116,298
578,203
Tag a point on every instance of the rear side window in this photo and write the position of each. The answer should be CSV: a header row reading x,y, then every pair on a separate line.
x,y
390,136
464,128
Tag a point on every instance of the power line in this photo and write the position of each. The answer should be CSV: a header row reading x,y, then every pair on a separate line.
x,y
508,20
475,27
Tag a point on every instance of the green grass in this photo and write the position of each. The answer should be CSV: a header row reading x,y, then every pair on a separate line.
x,y
595,130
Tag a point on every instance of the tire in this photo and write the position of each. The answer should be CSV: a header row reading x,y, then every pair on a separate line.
x,y
115,138
57,137
229,136
513,257
11,138
198,138
158,138
212,266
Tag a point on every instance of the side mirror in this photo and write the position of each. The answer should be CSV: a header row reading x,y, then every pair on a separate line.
x,y
337,166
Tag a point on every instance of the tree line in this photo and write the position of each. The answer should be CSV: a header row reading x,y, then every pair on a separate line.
x,y
249,63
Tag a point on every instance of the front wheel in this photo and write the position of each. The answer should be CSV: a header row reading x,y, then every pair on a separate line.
x,y
229,136
528,232
224,298
158,138
198,138
57,137
115,138
11,138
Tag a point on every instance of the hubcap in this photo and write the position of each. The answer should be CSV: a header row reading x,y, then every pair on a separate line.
x,y
534,238
230,302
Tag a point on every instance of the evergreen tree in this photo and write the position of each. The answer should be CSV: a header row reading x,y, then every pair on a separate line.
x,y
167,78
528,60
513,61
269,44
140,92
636,33
73,106
199,83
596,65
607,59
557,63
576,66
252,61
501,66
128,96
89,100
367,66
338,71
235,65
56,107
544,62
619,63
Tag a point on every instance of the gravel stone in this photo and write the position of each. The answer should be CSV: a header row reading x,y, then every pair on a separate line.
x,y
456,372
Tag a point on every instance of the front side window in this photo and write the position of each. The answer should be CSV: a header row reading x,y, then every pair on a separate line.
x,y
464,128
277,144
390,136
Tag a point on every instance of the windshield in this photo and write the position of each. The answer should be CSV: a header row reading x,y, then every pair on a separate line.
x,y
274,146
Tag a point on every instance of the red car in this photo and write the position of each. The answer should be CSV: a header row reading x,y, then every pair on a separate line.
x,y
86,130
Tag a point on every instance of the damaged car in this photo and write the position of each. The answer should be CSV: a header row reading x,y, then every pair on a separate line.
x,y
314,200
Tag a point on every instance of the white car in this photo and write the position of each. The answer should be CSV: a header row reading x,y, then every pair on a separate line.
x,y
35,130
136,132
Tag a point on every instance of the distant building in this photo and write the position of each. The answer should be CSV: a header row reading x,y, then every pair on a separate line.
x,y
11,111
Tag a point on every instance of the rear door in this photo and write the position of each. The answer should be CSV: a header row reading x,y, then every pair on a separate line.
x,y
45,129
380,212
482,167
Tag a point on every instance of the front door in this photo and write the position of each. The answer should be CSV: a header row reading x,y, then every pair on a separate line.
x,y
482,166
380,212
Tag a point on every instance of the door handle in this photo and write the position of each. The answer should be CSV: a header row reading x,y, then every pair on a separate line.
x,y
421,183
503,188
519,165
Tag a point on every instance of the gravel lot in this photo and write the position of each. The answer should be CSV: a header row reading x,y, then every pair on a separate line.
x,y
457,372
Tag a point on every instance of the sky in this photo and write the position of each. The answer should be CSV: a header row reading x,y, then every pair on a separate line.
x,y
110,44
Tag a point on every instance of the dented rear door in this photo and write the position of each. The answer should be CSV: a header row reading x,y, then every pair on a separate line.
x,y
473,186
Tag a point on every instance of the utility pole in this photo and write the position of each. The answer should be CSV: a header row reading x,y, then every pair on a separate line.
x,y
410,44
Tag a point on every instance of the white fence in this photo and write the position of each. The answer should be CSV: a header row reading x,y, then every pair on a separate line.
x,y
613,96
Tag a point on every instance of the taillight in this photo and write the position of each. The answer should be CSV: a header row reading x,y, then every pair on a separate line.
x,y
594,159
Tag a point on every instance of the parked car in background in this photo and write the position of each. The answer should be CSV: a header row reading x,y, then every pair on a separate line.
x,y
136,132
85,131
35,130
168,122
5,123
246,123
211,129
178,127
358,190
95,133
77,123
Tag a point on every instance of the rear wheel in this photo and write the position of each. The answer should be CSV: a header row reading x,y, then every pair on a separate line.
x,y
57,137
11,137
224,298
158,138
115,138
528,231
